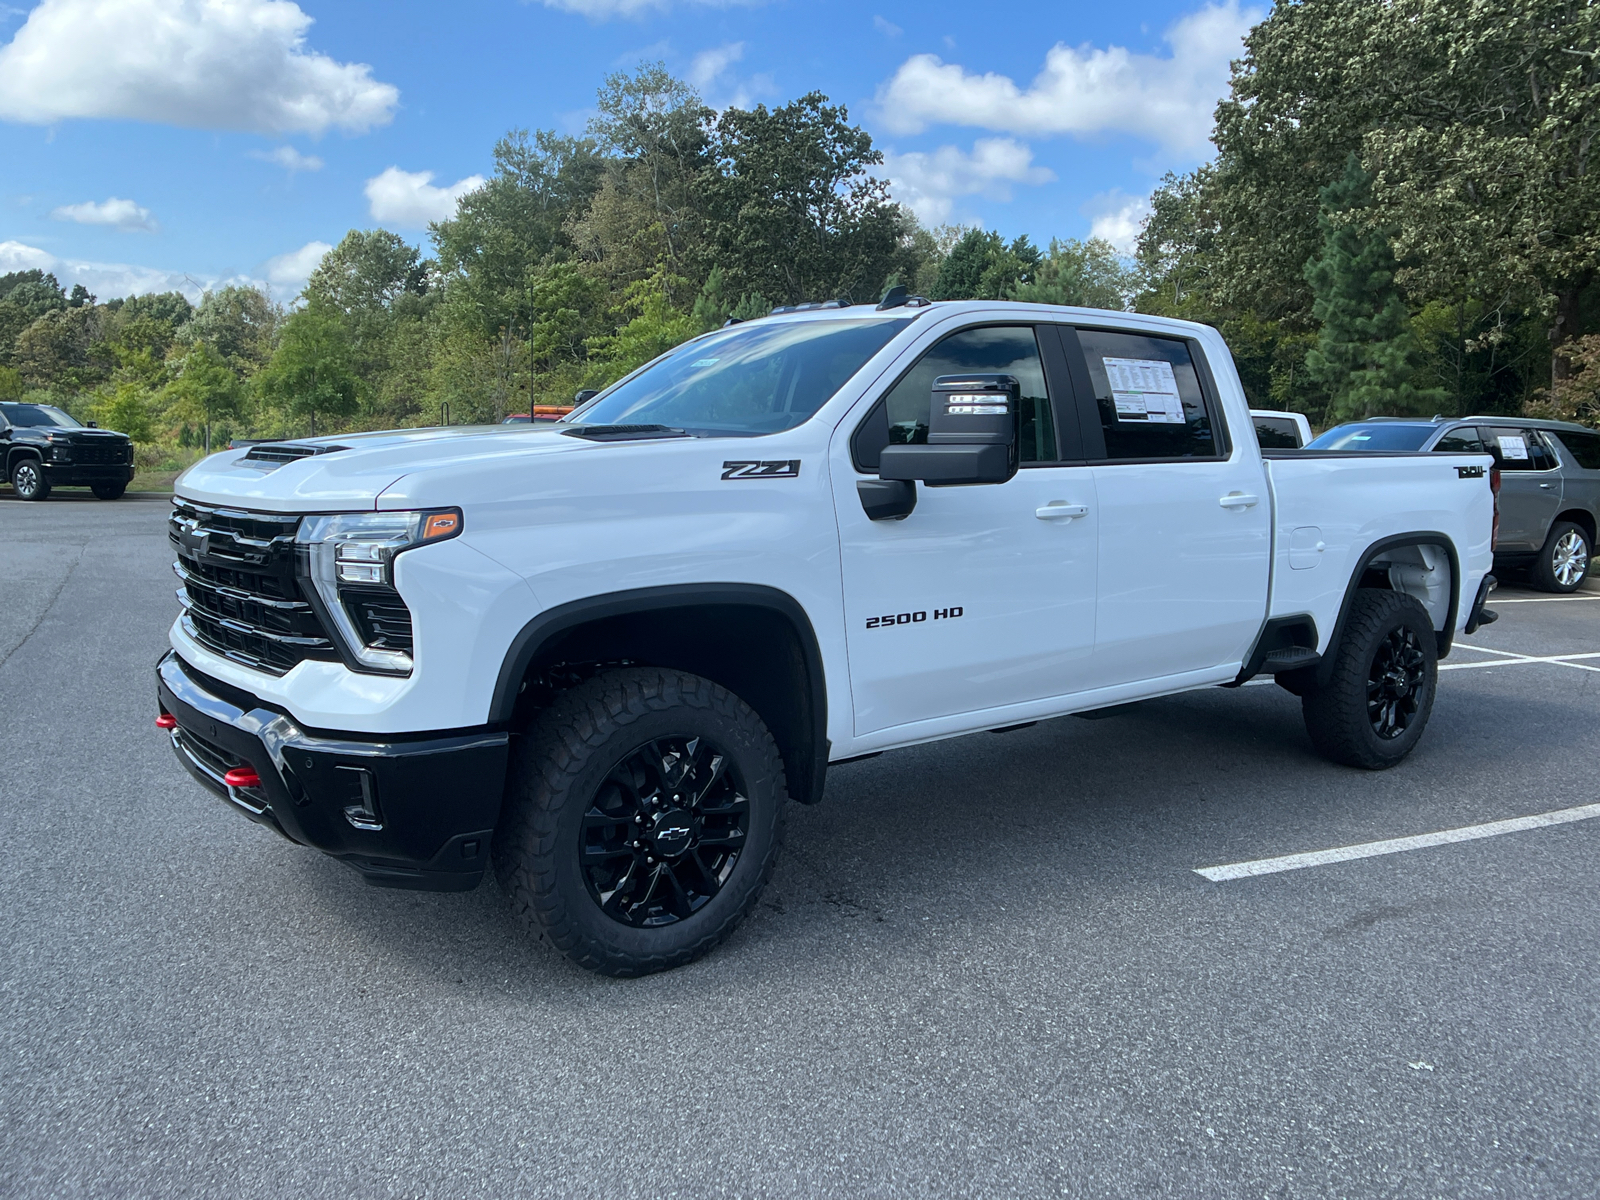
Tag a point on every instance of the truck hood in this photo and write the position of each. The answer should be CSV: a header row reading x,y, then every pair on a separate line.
x,y
349,472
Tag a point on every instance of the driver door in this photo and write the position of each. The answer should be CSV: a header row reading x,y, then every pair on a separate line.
x,y
984,596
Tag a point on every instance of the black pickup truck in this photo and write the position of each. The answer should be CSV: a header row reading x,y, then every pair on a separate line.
x,y
42,448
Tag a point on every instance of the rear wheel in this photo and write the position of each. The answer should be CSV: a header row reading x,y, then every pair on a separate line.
x,y
643,816
28,480
109,491
1563,562
1375,705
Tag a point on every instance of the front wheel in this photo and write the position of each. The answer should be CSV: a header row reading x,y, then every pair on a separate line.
x,y
28,480
1563,561
1375,705
643,816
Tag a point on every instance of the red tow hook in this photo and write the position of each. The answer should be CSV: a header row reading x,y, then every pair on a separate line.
x,y
242,777
166,721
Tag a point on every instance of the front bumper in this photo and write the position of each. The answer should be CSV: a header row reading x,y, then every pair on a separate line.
x,y
412,811
87,474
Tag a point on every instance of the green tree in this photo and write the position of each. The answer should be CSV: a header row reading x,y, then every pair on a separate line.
x,y
10,384
205,390
127,410
655,328
239,323
793,209
310,372
1366,354
1087,274
981,266
63,351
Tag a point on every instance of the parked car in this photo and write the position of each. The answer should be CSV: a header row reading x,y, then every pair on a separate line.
x,y
1549,491
1276,430
42,447
604,654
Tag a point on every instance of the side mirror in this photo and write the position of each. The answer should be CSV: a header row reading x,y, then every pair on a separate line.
x,y
973,425
586,395
94,424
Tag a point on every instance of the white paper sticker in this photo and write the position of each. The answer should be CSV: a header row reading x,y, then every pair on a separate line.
x,y
1144,389
1512,446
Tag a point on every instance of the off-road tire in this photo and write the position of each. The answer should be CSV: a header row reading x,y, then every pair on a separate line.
x,y
556,771
108,491
1336,713
28,479
1545,577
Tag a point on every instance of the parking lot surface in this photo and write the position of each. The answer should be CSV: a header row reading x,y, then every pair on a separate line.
x,y
985,967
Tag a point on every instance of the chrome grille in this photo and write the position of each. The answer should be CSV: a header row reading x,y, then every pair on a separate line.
x,y
240,592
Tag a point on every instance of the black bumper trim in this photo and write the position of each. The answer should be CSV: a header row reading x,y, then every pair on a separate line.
x,y
1481,616
438,796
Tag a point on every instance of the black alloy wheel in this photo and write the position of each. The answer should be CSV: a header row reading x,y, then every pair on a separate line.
x,y
28,480
1375,699
664,832
642,817
1396,683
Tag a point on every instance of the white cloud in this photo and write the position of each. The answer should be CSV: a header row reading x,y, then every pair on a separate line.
x,y
109,280
207,64
708,65
119,214
1117,218
887,28
290,159
601,10
711,74
1085,90
287,273
929,184
410,199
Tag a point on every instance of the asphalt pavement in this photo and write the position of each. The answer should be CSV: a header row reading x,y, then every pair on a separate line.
x,y
985,967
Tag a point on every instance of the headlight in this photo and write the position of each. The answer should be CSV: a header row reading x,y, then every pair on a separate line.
x,y
350,560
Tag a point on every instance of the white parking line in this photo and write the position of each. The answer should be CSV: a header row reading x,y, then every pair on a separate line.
x,y
1498,600
1467,833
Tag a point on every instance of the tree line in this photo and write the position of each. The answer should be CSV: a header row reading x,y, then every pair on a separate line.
x,y
1402,216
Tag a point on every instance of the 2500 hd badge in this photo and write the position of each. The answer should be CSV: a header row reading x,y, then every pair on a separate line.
x,y
912,618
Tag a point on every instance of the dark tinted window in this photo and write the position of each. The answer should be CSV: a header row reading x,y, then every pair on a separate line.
x,y
1277,433
1376,435
38,415
757,378
1582,448
1007,349
1148,395
1518,449
1463,439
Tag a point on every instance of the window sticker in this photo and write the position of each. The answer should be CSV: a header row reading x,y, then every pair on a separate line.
x,y
1144,389
1513,446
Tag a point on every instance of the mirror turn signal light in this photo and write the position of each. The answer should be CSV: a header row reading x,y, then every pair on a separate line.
x,y
242,777
166,721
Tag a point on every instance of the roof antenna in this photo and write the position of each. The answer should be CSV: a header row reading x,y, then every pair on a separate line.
x,y
895,297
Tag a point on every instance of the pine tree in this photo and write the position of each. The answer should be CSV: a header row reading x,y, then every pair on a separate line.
x,y
1366,354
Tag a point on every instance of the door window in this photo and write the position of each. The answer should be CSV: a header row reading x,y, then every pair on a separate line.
x,y
1277,433
1519,449
1584,447
1148,395
1463,439
1003,349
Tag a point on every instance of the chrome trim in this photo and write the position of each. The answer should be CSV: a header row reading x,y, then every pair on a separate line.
x,y
237,593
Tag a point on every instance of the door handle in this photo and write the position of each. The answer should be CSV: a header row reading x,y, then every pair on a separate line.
x,y
1238,500
1060,510
1546,486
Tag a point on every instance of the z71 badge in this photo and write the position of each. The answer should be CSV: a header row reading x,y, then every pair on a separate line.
x,y
782,468
1469,472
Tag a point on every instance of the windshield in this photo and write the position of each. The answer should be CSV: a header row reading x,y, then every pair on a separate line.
x,y
748,380
38,414
1386,436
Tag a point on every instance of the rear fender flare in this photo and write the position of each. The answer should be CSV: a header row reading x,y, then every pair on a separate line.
x,y
1443,637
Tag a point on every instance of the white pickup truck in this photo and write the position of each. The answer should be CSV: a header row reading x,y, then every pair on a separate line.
x,y
602,653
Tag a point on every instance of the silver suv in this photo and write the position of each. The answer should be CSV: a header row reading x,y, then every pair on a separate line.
x,y
1549,483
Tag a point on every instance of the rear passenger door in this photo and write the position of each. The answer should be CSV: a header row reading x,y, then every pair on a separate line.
x,y
1530,485
1185,516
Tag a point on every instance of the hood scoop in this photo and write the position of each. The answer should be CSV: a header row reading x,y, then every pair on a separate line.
x,y
269,456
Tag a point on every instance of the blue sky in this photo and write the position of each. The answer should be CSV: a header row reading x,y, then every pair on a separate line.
x,y
149,144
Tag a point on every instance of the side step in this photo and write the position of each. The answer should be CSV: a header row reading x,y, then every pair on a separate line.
x,y
1290,658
